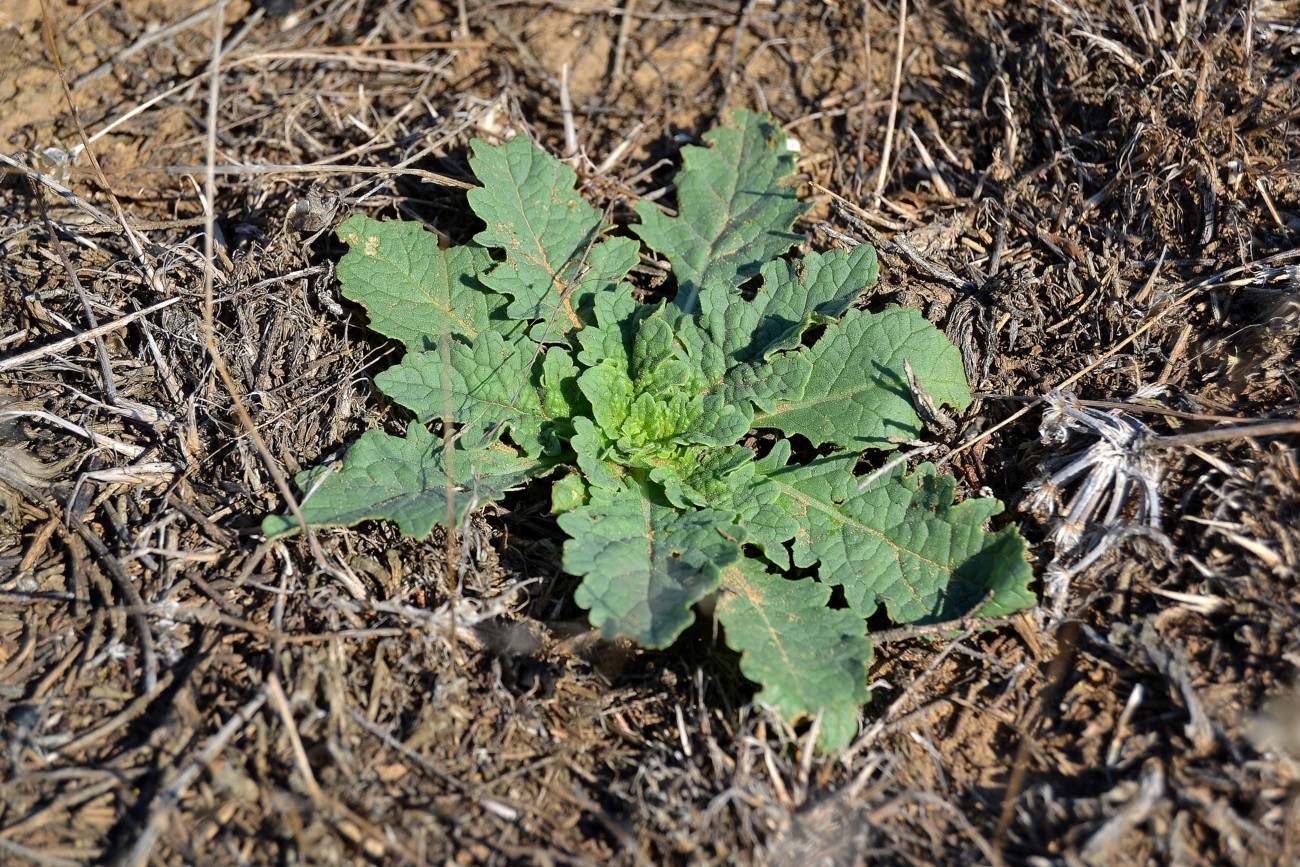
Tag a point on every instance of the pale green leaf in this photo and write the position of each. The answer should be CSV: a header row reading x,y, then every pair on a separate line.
x,y
610,391
655,420
735,207
569,492
644,564
404,480
721,478
808,658
856,393
697,365
657,359
617,315
561,397
592,454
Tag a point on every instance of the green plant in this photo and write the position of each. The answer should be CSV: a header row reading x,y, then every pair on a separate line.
x,y
529,343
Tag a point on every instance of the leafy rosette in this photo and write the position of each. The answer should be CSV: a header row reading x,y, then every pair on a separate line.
x,y
530,343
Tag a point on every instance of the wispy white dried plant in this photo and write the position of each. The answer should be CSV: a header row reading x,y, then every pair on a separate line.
x,y
1104,489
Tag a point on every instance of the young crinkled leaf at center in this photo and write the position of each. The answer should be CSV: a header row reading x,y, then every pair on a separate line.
x,y
655,398
644,564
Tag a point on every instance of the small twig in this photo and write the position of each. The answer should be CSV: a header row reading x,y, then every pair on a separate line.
x,y
79,741
742,24
1057,674
60,806
462,20
620,47
617,154
35,856
931,415
874,731
1136,408
452,551
1080,374
445,45
888,149
566,109
130,227
80,203
1236,432
118,211
329,805
316,169
860,148
99,441
900,458
101,351
276,693
415,758
83,337
1107,844
1243,428
972,622
125,586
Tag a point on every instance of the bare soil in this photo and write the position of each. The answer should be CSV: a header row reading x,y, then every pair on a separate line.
x,y
1094,195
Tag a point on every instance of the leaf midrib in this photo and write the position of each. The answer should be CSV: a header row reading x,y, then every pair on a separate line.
x,y
842,517
557,284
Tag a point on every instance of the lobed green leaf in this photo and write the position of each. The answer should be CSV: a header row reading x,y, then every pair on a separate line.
x,y
644,563
855,392
902,542
808,658
735,208
405,480
412,290
547,232
817,288
491,384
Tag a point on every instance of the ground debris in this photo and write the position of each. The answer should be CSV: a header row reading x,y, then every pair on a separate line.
x,y
1093,197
